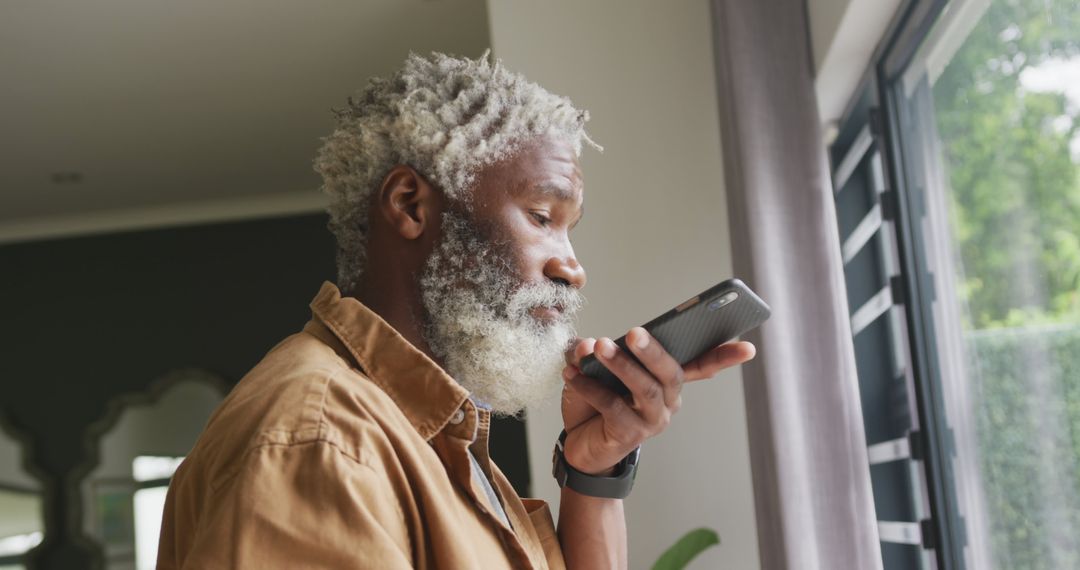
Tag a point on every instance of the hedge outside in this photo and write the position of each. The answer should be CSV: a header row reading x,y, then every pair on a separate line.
x,y
1027,384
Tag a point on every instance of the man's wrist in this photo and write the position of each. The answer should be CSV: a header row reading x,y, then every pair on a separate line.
x,y
610,471
612,483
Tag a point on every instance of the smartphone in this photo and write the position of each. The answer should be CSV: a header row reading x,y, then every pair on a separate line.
x,y
702,322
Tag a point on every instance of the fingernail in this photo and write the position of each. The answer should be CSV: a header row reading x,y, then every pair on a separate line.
x,y
606,348
641,338
569,372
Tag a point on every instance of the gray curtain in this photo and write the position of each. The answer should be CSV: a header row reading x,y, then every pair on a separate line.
x,y
807,447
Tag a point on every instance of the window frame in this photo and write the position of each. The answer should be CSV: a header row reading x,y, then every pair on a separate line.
x,y
947,528
912,287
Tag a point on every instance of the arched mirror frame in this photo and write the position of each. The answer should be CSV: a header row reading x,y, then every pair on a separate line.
x,y
96,432
22,438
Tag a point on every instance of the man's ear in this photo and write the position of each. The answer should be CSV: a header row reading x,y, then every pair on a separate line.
x,y
408,202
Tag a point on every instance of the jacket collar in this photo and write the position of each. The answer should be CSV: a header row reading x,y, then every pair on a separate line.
x,y
424,392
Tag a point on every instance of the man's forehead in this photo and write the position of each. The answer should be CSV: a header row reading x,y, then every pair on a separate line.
x,y
551,169
544,167
567,191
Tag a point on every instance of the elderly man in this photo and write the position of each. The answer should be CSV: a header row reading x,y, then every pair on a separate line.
x,y
361,442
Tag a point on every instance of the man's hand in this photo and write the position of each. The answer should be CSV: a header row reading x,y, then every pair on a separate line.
x,y
603,427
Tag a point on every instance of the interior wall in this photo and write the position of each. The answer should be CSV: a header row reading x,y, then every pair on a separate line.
x,y
654,234
824,17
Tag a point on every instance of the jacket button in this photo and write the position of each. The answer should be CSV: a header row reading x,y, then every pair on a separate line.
x,y
458,417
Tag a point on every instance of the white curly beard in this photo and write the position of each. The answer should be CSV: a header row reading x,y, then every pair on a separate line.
x,y
479,321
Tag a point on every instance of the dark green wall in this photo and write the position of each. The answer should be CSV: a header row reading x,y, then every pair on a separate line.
x,y
85,320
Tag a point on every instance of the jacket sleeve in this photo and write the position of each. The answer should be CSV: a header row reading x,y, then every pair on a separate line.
x,y
301,505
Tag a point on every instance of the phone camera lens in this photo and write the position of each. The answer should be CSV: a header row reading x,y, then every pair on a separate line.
x,y
724,300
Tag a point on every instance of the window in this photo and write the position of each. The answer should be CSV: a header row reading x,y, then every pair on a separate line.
x,y
958,196
152,476
21,522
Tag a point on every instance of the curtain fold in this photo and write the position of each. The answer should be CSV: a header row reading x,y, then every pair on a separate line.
x,y
813,500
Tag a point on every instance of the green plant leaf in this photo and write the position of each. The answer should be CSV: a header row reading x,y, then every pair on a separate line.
x,y
686,549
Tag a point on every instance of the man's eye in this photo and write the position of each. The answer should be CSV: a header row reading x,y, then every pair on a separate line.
x,y
541,218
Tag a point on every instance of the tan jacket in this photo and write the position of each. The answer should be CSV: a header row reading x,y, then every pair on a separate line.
x,y
344,448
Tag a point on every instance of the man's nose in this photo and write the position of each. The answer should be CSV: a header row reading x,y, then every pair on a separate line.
x,y
565,269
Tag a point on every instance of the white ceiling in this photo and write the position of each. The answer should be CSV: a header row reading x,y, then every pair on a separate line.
x,y
163,104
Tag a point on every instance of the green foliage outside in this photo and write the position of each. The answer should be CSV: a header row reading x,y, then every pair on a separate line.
x,y
1028,420
1015,207
1015,188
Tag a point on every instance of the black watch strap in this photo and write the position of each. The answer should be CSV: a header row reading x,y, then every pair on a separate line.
x,y
616,486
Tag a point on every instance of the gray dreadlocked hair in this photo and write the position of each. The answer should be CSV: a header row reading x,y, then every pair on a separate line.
x,y
444,116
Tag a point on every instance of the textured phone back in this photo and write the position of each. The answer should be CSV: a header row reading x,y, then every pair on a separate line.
x,y
696,328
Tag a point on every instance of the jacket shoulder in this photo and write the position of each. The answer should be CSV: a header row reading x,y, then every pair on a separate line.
x,y
301,392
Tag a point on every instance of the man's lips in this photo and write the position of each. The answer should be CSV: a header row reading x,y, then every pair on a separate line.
x,y
547,313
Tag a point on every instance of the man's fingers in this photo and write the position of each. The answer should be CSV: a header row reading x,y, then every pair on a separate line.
x,y
648,392
568,354
719,358
622,420
583,349
580,348
597,396
657,360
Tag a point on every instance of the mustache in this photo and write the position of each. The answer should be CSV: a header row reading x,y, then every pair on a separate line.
x,y
564,298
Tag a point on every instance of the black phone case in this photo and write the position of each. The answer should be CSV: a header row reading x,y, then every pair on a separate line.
x,y
692,328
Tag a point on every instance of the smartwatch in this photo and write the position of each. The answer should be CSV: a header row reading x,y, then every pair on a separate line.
x,y
616,486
